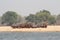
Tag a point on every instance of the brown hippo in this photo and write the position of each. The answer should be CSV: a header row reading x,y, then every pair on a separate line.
x,y
30,25
43,25
14,26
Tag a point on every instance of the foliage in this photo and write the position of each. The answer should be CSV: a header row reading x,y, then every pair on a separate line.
x,y
51,20
58,19
41,16
9,17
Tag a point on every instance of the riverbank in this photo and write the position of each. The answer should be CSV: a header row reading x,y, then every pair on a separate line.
x,y
48,29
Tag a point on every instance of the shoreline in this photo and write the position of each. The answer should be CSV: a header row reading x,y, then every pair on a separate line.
x,y
52,28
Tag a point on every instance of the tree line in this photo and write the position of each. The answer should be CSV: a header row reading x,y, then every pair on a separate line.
x,y
11,17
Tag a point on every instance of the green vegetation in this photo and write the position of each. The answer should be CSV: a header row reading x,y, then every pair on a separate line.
x,y
41,16
11,17
58,19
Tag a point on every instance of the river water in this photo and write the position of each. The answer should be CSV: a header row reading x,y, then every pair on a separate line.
x,y
29,35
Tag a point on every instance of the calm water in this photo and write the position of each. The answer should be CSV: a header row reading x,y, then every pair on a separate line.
x,y
29,35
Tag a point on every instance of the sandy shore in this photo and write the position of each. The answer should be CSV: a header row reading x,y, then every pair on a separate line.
x,y
48,29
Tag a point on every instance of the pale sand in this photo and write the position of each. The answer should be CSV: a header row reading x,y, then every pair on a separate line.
x,y
48,29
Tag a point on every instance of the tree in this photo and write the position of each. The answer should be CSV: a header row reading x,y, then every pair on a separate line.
x,y
30,18
46,16
51,20
58,19
42,16
9,18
